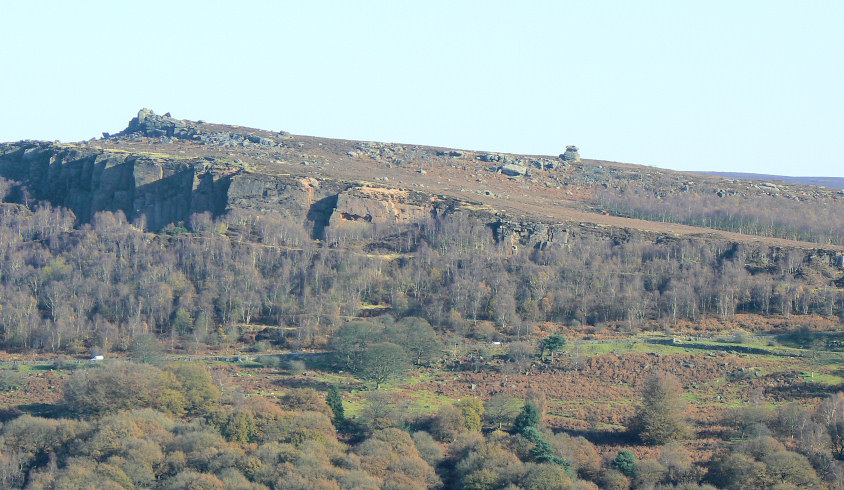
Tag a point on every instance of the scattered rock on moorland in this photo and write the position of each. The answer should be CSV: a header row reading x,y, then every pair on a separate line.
x,y
513,170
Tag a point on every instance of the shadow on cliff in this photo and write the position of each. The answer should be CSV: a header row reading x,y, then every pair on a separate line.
x,y
320,215
85,185
172,199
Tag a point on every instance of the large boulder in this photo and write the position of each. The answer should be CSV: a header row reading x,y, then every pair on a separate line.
x,y
513,170
492,157
571,154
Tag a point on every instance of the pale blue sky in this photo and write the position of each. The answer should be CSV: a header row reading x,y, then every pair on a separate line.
x,y
755,86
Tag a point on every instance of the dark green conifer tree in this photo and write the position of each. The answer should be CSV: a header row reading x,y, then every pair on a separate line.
x,y
334,400
528,417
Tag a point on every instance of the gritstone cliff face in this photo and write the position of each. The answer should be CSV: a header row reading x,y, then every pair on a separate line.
x,y
161,170
164,190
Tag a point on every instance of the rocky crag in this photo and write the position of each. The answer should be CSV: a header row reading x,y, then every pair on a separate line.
x,y
161,170
161,190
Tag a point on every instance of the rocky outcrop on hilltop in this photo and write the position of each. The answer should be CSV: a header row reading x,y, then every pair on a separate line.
x,y
148,124
571,154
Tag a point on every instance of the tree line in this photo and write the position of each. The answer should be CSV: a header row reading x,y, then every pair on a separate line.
x,y
818,219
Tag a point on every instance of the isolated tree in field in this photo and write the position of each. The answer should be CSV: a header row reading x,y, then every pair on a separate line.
x,y
660,418
552,344
351,341
418,338
382,362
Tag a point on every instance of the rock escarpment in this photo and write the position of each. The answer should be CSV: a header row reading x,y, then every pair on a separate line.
x,y
199,174
156,189
164,191
160,190
87,181
380,206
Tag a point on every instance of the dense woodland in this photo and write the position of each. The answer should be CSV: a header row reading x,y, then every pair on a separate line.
x,y
101,285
